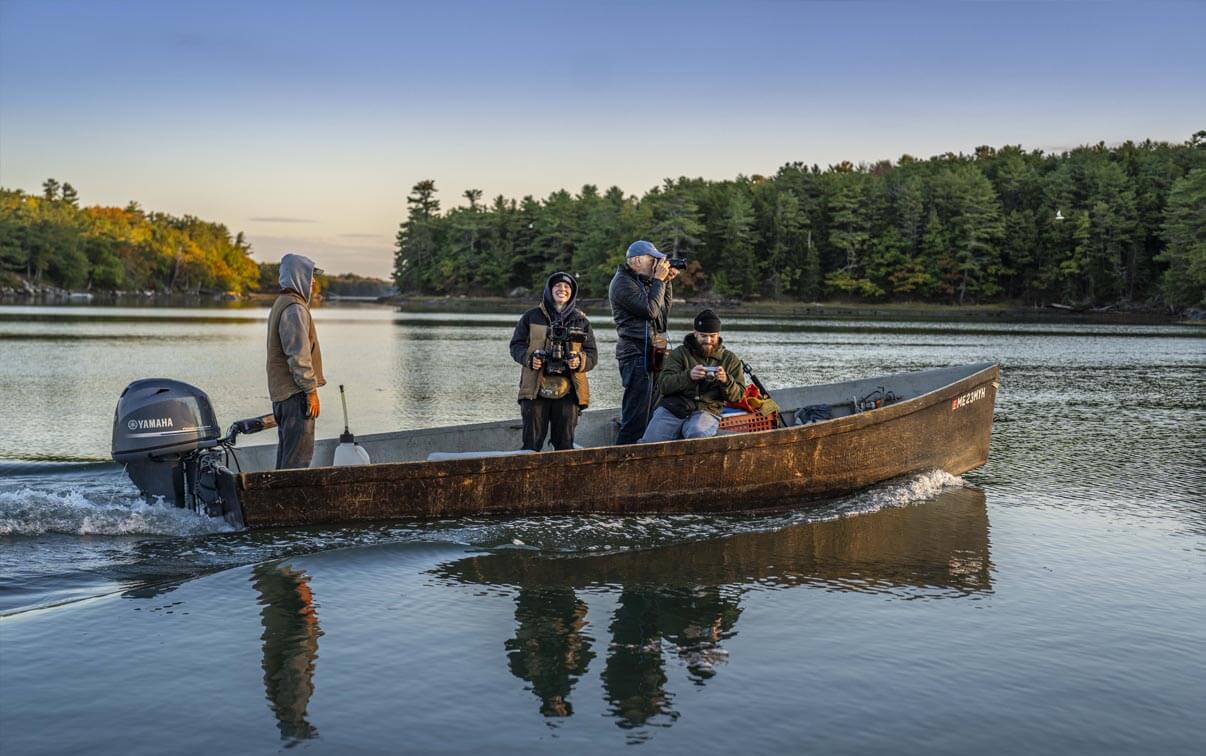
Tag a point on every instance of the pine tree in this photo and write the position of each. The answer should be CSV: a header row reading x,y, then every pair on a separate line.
x,y
849,232
677,228
787,264
417,250
1184,283
978,229
738,273
70,195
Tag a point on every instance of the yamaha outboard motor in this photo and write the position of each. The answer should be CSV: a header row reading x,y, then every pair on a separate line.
x,y
166,434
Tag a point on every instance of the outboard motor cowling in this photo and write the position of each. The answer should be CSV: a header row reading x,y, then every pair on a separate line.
x,y
166,434
159,428
159,418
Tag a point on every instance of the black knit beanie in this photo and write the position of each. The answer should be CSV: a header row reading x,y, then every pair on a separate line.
x,y
707,322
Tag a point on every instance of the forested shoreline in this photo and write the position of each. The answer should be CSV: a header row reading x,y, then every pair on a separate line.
x,y
50,240
1095,225
1092,226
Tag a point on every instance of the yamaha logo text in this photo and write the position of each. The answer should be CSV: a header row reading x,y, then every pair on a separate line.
x,y
154,423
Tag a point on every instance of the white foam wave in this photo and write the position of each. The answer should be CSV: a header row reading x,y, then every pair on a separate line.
x,y
598,533
898,492
34,511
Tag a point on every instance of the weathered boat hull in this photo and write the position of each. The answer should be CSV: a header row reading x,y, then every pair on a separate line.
x,y
947,428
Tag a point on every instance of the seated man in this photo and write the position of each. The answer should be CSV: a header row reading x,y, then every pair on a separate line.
x,y
698,378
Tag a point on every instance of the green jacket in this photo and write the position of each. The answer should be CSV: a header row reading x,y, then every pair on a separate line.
x,y
709,396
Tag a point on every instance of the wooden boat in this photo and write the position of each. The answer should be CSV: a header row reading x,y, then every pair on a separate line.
x,y
941,419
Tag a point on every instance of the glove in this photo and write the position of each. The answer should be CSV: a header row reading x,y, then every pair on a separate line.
x,y
312,405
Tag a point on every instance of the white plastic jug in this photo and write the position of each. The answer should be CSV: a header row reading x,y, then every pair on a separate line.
x,y
351,453
348,452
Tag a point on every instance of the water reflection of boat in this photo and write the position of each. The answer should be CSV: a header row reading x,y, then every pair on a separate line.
x,y
941,419
686,598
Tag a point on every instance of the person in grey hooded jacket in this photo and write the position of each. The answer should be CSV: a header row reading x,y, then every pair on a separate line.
x,y
294,363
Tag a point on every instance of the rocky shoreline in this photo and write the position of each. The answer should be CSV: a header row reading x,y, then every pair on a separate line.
x,y
24,292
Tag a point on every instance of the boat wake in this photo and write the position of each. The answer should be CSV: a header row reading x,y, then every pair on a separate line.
x,y
107,504
88,499
46,508
586,534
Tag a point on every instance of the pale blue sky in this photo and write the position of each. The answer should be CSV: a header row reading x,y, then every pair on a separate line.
x,y
305,124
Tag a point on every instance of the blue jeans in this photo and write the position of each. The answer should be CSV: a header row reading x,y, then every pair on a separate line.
x,y
664,426
638,390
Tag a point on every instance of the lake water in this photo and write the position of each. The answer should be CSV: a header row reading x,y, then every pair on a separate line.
x,y
1053,601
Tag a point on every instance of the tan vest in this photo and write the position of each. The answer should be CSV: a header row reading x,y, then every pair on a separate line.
x,y
281,385
529,379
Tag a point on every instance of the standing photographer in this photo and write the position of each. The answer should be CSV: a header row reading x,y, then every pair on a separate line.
x,y
640,295
555,347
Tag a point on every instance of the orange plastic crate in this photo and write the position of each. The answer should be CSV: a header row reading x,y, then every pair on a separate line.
x,y
748,422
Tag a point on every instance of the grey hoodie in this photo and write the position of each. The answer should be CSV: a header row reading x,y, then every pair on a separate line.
x,y
294,356
297,273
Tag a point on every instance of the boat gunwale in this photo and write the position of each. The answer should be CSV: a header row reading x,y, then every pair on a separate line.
x,y
589,456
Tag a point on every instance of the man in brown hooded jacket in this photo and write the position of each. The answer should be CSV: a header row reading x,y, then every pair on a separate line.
x,y
294,363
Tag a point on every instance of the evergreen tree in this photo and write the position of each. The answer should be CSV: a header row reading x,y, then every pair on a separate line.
x,y
417,249
849,233
70,196
738,272
1184,282
677,226
787,263
976,234
600,247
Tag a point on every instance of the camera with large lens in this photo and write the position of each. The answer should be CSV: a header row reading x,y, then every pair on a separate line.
x,y
678,263
561,336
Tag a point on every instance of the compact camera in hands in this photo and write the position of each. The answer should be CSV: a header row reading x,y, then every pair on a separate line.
x,y
556,357
711,372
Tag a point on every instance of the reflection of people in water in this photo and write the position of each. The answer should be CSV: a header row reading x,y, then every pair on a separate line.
x,y
635,677
550,649
686,596
290,645
694,619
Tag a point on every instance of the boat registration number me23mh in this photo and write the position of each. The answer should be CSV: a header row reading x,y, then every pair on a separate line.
x,y
966,399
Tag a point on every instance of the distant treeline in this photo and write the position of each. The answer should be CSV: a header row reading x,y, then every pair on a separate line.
x,y
51,240
343,284
1094,225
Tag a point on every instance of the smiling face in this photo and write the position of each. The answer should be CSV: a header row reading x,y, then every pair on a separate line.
x,y
561,293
